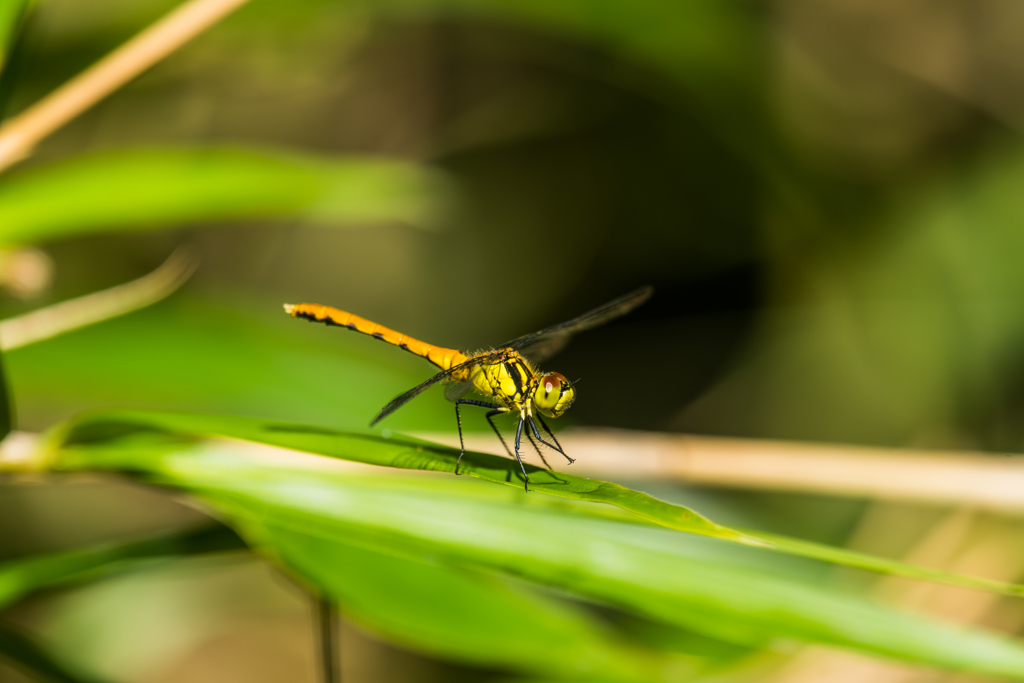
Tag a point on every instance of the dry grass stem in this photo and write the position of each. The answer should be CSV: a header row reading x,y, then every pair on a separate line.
x,y
93,308
23,132
986,481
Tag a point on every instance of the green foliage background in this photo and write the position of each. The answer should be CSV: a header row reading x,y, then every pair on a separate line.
x,y
825,199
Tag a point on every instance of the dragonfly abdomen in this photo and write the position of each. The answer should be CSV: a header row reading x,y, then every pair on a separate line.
x,y
438,355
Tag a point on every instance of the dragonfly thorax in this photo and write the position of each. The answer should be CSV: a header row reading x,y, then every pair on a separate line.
x,y
509,378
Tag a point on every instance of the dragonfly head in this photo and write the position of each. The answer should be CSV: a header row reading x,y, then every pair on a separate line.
x,y
553,395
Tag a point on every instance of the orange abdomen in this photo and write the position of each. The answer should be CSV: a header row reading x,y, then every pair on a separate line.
x,y
438,355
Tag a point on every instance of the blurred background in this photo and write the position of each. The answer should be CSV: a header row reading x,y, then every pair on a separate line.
x,y
826,197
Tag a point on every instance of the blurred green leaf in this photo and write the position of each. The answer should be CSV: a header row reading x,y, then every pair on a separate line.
x,y
150,188
492,622
21,577
6,408
640,568
460,613
27,655
188,354
408,453
11,13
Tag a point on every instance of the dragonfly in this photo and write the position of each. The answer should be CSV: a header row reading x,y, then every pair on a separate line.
x,y
507,375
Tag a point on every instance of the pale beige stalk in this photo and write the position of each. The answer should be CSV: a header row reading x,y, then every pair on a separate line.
x,y
987,481
99,306
20,134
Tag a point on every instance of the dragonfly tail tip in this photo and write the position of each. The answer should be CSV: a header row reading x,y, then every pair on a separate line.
x,y
288,308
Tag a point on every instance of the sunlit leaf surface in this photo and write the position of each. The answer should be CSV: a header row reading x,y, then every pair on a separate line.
x,y
402,452
639,567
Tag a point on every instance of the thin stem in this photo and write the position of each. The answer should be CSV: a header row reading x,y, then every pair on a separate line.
x,y
90,309
982,480
330,640
23,132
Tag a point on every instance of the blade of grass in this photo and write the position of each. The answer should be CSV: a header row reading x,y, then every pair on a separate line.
x,y
457,614
414,454
641,568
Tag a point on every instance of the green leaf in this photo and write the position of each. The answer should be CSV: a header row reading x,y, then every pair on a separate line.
x,y
27,655
409,453
6,407
456,522
410,601
20,577
228,358
460,613
11,13
152,188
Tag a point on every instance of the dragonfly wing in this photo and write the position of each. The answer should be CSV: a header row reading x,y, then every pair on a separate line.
x,y
453,391
401,400
545,347
551,340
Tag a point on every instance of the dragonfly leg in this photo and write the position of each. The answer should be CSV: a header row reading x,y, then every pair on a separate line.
x,y
537,448
491,414
502,439
519,434
458,421
556,446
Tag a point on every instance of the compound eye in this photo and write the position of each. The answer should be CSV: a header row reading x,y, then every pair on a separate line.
x,y
553,382
554,394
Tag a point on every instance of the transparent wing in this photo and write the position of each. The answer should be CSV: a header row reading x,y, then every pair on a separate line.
x,y
453,391
540,350
551,340
401,400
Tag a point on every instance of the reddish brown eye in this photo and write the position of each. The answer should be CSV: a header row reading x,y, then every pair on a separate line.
x,y
553,380
554,394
